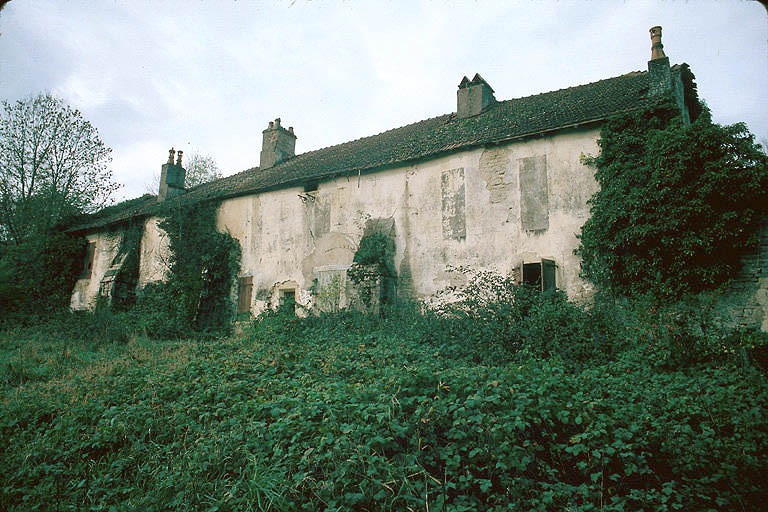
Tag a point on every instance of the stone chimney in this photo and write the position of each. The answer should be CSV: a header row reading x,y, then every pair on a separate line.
x,y
659,74
171,177
473,97
278,145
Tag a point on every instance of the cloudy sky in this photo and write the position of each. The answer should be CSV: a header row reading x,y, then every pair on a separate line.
x,y
208,75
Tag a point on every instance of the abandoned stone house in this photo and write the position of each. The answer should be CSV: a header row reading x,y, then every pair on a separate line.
x,y
494,185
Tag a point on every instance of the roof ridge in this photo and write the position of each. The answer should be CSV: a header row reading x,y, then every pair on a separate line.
x,y
450,114
631,73
427,138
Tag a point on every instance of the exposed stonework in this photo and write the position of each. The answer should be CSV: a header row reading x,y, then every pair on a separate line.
x,y
453,204
495,170
746,303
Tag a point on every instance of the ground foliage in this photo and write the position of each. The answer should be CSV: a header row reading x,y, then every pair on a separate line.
x,y
400,412
678,203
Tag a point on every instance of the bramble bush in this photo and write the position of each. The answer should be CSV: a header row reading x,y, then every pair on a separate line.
x,y
402,411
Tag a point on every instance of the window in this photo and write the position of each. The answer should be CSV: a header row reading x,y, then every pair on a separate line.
x,y
244,294
540,274
90,252
288,300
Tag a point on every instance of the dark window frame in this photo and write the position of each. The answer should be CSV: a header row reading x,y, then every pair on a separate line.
x,y
540,274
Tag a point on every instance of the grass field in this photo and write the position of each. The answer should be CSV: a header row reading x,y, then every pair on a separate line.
x,y
409,412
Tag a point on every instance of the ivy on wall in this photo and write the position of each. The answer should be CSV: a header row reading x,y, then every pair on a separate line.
x,y
203,265
127,278
374,260
678,204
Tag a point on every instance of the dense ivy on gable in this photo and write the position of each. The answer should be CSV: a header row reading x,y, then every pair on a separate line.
x,y
678,204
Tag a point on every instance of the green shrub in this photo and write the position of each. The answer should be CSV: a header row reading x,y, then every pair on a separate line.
x,y
678,204
497,320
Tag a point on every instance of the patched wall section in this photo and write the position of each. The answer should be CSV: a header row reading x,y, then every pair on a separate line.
x,y
453,204
154,262
746,302
534,193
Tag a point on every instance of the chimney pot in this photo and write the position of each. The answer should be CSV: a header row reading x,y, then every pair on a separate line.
x,y
657,49
271,124
172,176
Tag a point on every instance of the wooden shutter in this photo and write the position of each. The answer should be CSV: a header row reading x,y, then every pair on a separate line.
x,y
244,294
547,275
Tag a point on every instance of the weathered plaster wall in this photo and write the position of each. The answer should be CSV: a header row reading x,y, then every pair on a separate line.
x,y
457,210
153,262
462,209
87,290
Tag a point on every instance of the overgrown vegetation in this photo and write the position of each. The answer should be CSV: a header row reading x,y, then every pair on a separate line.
x,y
196,295
678,204
373,267
53,166
508,399
37,275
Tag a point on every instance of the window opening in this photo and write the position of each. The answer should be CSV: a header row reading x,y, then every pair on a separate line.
x,y
90,253
244,294
540,274
288,300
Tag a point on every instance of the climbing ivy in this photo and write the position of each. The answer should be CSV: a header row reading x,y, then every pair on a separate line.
x,y
202,266
678,204
124,290
374,259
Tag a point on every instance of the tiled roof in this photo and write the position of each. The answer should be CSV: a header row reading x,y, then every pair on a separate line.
x,y
503,121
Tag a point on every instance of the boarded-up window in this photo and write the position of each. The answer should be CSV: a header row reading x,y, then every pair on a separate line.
x,y
244,294
90,253
540,274
534,198
452,189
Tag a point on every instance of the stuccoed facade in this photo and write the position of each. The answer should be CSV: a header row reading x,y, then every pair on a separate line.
x,y
496,185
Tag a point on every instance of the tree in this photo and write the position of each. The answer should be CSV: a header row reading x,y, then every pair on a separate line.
x,y
52,164
678,203
201,169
